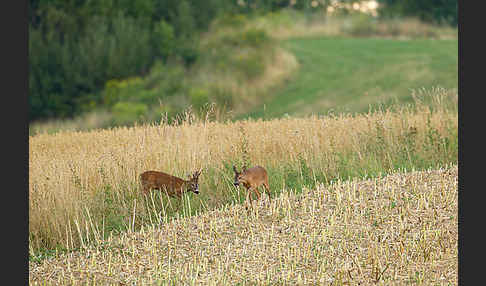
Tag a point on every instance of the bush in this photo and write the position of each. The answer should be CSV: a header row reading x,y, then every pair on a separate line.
x,y
251,65
433,11
222,97
255,37
116,90
163,81
241,52
188,52
234,21
163,39
198,97
125,113
361,25
282,18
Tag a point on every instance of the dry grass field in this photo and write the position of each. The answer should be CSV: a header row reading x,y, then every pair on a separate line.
x,y
396,230
83,186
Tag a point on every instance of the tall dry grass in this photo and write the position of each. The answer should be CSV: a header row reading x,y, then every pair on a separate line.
x,y
396,230
84,185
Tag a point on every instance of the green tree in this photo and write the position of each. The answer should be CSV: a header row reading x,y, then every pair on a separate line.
x,y
76,46
434,11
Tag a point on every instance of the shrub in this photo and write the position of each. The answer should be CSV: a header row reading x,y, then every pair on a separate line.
x,y
188,51
255,37
198,97
360,25
250,66
234,21
116,90
125,113
433,11
252,37
165,79
222,97
163,39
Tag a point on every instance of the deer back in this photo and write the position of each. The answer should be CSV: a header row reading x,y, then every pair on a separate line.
x,y
162,181
254,176
256,173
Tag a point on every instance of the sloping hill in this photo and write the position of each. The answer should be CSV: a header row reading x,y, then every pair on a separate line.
x,y
399,229
84,185
248,72
349,74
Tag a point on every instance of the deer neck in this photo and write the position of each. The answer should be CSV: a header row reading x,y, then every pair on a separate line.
x,y
184,185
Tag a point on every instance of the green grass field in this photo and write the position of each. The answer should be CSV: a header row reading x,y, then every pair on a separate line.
x,y
348,74
309,75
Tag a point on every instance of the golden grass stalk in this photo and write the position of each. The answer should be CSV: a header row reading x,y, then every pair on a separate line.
x,y
84,184
399,229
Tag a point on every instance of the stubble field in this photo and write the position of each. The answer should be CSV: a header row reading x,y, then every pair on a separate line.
x,y
400,229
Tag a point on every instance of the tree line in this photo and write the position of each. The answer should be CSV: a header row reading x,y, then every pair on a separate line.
x,y
76,46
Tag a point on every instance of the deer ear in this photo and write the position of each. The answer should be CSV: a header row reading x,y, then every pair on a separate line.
x,y
234,169
244,168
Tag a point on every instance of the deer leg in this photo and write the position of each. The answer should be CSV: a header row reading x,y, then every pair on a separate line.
x,y
164,191
248,196
144,189
267,190
257,192
180,203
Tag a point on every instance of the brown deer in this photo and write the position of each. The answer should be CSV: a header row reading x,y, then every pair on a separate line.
x,y
174,186
251,179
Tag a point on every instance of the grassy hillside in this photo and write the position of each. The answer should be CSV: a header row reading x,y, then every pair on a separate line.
x,y
291,62
348,74
396,230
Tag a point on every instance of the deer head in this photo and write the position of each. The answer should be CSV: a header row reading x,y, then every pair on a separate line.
x,y
239,178
193,185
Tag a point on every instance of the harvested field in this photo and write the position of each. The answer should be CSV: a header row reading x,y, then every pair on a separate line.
x,y
399,229
84,185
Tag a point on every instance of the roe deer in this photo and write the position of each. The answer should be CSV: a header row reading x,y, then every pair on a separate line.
x,y
251,179
174,186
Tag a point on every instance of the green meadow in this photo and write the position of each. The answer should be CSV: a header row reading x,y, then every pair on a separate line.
x,y
350,74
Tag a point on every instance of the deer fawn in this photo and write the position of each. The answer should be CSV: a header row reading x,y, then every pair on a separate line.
x,y
174,186
251,179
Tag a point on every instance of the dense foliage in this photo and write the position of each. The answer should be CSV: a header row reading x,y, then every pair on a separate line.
x,y
434,11
75,46
78,49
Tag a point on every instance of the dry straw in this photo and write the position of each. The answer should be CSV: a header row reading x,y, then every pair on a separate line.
x,y
82,185
396,230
